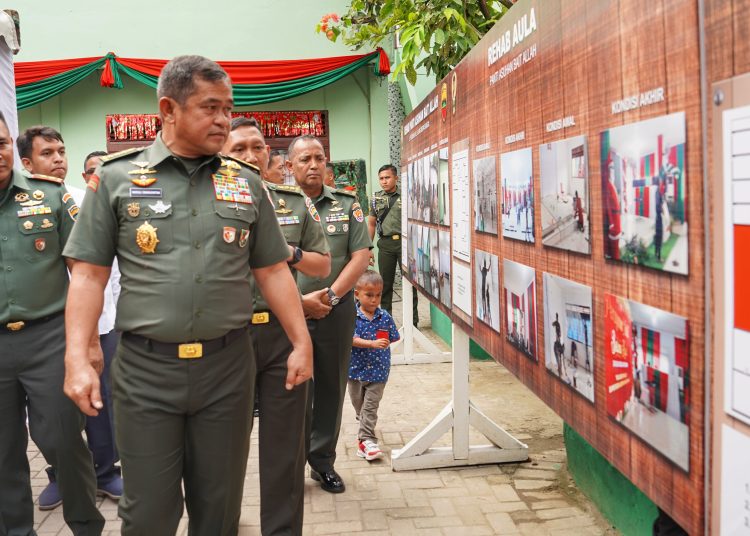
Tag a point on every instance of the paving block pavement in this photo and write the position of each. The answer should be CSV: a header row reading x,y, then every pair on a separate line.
x,y
537,497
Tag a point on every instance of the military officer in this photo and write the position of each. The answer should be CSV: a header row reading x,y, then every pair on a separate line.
x,y
385,218
329,304
36,218
282,412
188,226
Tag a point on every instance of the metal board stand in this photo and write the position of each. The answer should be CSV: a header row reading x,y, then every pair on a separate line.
x,y
457,416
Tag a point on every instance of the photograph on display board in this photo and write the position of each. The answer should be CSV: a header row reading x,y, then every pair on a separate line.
x,y
411,190
565,195
644,198
421,253
485,195
434,286
432,164
411,252
444,215
424,267
648,375
519,296
487,296
517,195
568,333
445,268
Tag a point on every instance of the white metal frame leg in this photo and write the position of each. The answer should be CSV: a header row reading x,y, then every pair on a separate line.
x,y
409,334
457,416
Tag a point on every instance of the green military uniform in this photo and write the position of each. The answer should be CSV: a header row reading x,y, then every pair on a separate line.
x,y
282,412
386,208
186,233
346,231
36,218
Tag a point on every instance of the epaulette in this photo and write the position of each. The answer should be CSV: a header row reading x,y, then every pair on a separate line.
x,y
46,178
345,192
116,156
248,164
291,188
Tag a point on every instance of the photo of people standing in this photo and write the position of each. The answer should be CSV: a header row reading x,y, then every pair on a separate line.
x,y
487,296
485,195
518,195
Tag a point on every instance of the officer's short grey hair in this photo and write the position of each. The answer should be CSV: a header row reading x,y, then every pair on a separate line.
x,y
298,139
177,79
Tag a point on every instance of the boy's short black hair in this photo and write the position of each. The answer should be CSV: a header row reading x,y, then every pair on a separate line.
x,y
370,277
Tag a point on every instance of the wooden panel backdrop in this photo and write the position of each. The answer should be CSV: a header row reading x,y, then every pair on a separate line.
x,y
588,55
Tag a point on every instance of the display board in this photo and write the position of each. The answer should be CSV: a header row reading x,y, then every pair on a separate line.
x,y
569,144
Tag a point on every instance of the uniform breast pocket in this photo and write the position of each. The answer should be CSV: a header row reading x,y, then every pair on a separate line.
x,y
235,224
292,232
40,237
146,228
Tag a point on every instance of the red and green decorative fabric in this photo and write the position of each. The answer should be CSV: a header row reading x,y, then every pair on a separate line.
x,y
253,82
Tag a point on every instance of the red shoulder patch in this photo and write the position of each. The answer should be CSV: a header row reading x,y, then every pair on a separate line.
x,y
93,182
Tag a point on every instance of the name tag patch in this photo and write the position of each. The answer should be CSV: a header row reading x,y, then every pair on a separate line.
x,y
153,193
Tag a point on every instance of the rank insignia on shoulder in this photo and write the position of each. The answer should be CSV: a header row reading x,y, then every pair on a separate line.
x,y
46,178
114,156
345,192
93,183
285,188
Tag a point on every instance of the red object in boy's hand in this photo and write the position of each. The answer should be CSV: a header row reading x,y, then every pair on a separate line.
x,y
382,334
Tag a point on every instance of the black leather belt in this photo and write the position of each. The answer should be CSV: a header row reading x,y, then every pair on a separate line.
x,y
19,325
187,350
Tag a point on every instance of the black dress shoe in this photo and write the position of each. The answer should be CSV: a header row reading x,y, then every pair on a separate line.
x,y
330,481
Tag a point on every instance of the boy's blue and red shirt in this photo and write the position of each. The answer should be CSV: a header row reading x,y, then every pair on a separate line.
x,y
370,364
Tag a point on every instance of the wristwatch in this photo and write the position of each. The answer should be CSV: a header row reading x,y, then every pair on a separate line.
x,y
333,298
296,256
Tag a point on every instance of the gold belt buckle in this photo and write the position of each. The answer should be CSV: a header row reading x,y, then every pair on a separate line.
x,y
15,326
261,318
396,237
190,350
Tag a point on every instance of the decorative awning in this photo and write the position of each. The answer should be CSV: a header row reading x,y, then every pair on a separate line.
x,y
253,82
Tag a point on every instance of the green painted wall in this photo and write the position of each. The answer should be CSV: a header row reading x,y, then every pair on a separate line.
x,y
257,30
626,507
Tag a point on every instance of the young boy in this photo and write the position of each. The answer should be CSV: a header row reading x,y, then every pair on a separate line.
x,y
371,360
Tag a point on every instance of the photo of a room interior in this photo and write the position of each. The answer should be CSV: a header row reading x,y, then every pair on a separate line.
x,y
647,374
445,268
444,213
568,333
565,195
644,198
519,298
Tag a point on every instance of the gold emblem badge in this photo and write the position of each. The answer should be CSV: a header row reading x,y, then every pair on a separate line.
x,y
46,224
134,209
145,237
336,207
38,195
282,208
143,181
21,197
28,225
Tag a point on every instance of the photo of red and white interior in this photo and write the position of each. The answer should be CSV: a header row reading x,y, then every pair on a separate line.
x,y
519,297
648,374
